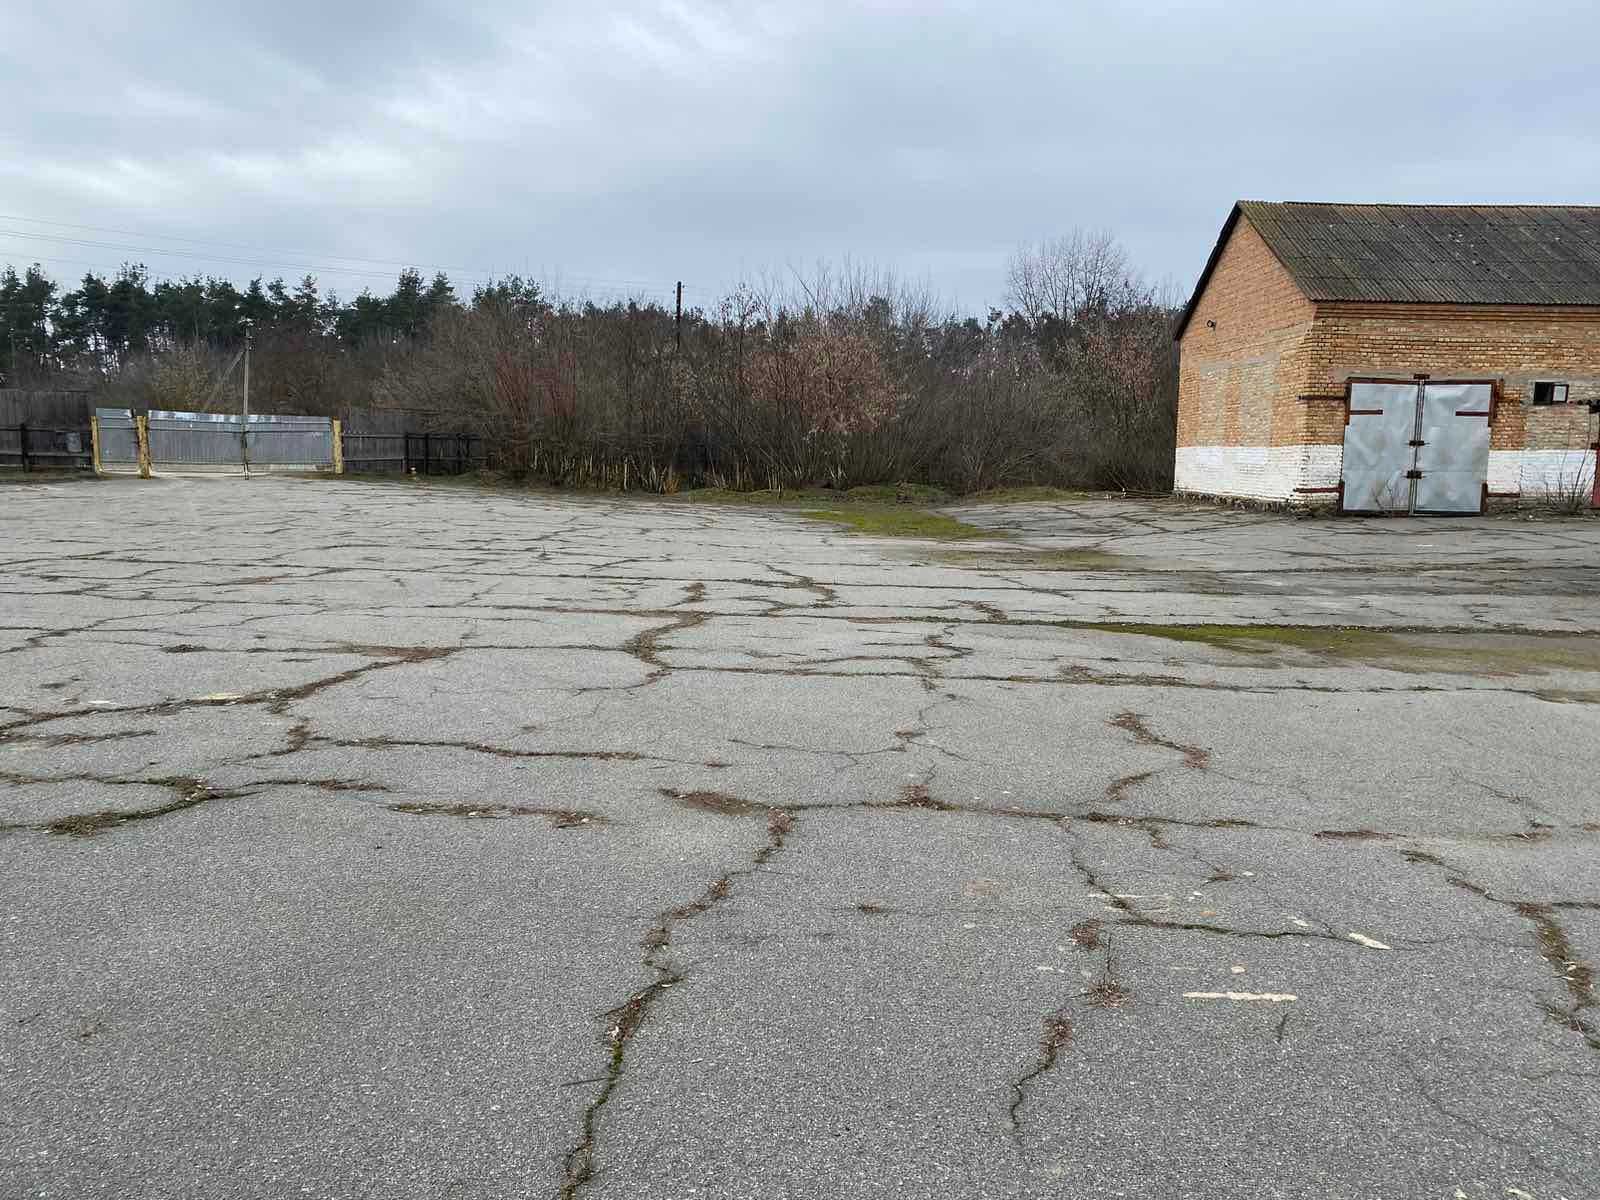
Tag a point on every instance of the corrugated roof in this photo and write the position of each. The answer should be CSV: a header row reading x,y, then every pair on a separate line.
x,y
1426,253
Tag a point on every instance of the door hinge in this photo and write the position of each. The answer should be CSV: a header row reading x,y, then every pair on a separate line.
x,y
1414,443
1413,474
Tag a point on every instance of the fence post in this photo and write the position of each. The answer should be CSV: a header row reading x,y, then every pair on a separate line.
x,y
22,445
338,448
94,442
427,451
405,466
141,431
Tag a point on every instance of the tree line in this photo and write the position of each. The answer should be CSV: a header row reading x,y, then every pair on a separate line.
x,y
839,378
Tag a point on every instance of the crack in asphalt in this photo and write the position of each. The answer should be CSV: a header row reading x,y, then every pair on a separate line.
x,y
1056,1037
189,791
623,1022
1195,757
932,662
1575,975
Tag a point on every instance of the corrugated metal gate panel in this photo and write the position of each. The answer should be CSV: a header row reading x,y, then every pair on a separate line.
x,y
215,442
119,443
291,442
1417,448
1377,447
195,441
1454,456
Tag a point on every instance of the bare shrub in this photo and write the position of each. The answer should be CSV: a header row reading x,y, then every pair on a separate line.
x,y
839,377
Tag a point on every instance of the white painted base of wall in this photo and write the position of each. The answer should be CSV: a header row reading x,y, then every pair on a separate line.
x,y
1259,472
1273,473
1536,474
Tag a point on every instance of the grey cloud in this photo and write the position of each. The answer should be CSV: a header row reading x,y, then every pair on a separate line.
x,y
652,141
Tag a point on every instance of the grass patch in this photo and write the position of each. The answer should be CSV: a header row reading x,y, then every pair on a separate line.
x,y
897,521
1085,559
1452,653
782,497
1031,494
900,493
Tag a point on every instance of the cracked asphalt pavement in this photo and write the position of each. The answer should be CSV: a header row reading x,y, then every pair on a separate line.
x,y
407,840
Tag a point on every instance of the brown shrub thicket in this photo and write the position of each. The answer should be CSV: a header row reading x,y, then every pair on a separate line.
x,y
833,384
838,379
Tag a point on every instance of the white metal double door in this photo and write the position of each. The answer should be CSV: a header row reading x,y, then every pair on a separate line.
x,y
1418,447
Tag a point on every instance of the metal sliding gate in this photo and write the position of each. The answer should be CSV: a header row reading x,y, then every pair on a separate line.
x,y
226,442
1417,447
220,442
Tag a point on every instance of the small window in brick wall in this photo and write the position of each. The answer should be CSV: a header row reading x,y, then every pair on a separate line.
x,y
1549,393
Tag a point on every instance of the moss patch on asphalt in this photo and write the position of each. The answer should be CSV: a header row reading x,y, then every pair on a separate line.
x,y
1084,559
781,497
873,493
1032,494
879,520
1464,653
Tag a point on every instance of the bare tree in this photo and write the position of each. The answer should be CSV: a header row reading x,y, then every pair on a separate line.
x,y
1063,278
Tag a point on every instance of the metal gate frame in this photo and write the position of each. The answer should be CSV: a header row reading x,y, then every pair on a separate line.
x,y
214,442
1409,494
119,441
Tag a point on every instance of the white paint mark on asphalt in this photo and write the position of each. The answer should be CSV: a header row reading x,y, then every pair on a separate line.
x,y
1369,943
1237,969
1266,997
1302,924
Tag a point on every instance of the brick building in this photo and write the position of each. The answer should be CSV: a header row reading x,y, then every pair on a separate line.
x,y
1393,357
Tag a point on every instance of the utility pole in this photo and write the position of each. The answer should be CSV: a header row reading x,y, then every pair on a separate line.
x,y
244,433
677,321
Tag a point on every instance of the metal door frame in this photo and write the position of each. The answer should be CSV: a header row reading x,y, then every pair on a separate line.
x,y
1420,383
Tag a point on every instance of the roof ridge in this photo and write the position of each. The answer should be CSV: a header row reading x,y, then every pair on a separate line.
x,y
1545,255
1413,204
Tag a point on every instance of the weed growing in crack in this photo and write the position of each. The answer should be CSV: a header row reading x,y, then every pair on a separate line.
x,y
1194,757
720,803
1149,826
1557,950
190,791
1107,991
1571,971
624,1021
1056,1037
1086,934
560,818
1422,856
1117,790
916,795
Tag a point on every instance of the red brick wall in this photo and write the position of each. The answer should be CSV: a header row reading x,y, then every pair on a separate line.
x,y
1264,372
1239,382
1513,346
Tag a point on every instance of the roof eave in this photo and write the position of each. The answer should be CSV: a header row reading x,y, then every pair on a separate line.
x,y
1205,275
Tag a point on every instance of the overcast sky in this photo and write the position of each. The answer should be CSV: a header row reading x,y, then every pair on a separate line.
x,y
620,146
